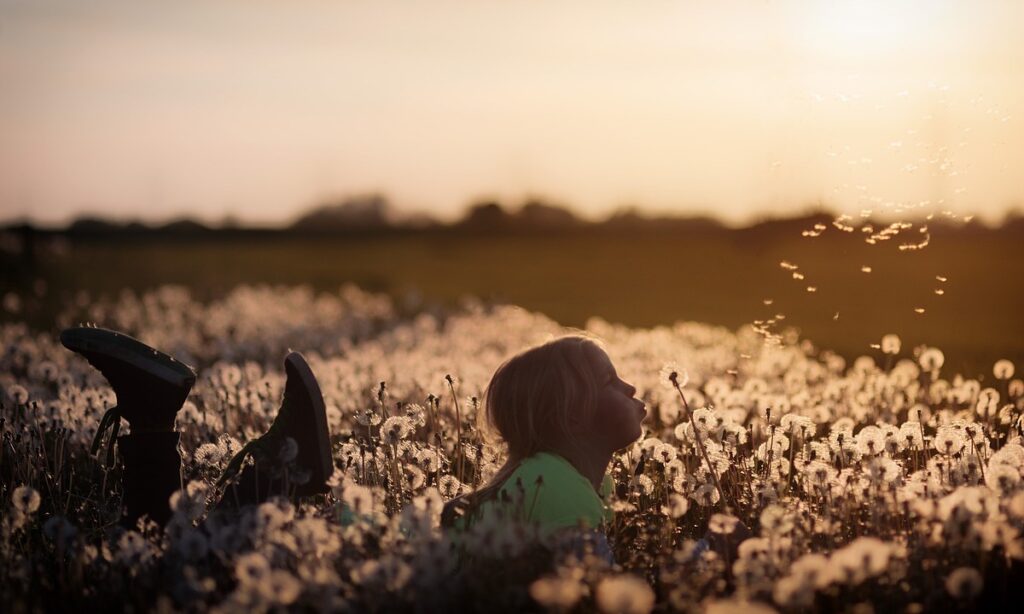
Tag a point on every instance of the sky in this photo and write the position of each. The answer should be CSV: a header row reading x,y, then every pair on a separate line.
x,y
258,110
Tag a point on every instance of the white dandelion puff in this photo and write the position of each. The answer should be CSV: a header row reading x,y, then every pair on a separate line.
x,y
964,583
624,594
1003,369
25,499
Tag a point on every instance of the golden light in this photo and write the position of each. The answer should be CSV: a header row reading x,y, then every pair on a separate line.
x,y
871,29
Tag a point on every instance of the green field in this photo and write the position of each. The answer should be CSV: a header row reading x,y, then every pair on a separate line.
x,y
639,278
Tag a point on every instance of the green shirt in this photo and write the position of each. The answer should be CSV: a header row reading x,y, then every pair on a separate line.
x,y
561,498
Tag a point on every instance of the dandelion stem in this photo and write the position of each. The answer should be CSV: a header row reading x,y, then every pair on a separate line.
x,y
700,444
458,427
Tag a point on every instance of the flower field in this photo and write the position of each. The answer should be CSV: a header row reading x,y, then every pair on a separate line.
x,y
885,483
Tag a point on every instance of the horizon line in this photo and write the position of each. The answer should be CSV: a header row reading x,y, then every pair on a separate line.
x,y
402,217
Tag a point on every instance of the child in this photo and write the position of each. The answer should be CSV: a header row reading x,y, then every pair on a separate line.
x,y
562,411
151,387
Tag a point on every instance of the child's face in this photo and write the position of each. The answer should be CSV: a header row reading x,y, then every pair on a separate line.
x,y
616,421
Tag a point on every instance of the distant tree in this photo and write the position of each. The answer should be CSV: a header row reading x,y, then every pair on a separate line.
x,y
537,214
184,226
93,225
363,212
486,215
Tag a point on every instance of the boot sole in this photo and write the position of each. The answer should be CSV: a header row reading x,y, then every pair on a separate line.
x,y
129,350
296,366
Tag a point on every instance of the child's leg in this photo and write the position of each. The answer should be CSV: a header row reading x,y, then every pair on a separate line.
x,y
150,387
151,472
294,455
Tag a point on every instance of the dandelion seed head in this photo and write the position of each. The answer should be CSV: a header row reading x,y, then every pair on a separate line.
x,y
737,606
192,544
705,495
280,588
645,485
207,454
673,375
624,594
395,429
59,529
449,486
17,394
1003,369
723,524
289,450
932,359
26,499
557,592
964,583
368,417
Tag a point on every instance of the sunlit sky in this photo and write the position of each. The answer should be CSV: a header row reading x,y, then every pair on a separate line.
x,y
260,110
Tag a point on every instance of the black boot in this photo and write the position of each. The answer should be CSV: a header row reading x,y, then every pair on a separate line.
x,y
150,387
302,418
151,473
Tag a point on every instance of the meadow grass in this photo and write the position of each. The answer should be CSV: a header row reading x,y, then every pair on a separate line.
x,y
638,279
889,481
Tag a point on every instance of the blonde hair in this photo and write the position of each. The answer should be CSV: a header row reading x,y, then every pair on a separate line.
x,y
531,402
